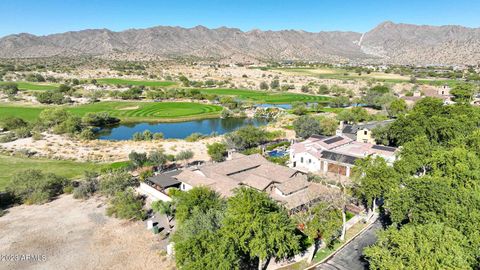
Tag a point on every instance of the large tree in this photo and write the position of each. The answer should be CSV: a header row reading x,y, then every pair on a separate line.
x,y
201,198
217,151
247,137
321,224
306,126
428,247
463,92
259,227
199,243
373,178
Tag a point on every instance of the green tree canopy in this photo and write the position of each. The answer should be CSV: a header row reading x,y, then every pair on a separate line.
x,y
246,137
463,92
116,181
373,178
201,198
428,247
259,227
306,126
126,205
217,151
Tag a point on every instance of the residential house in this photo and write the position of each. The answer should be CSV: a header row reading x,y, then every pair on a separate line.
x,y
361,132
335,154
288,186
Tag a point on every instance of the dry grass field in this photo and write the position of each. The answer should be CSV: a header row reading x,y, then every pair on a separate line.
x,y
74,234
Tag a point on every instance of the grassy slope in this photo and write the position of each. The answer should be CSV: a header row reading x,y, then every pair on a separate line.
x,y
127,111
11,165
264,96
35,86
134,82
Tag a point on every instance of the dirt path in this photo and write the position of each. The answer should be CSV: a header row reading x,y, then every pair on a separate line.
x,y
74,234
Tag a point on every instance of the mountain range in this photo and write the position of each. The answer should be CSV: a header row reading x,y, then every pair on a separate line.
x,y
387,43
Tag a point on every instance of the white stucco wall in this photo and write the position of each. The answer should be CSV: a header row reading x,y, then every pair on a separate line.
x,y
154,194
306,161
185,187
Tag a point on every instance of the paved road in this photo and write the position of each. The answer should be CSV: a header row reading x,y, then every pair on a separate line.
x,y
350,257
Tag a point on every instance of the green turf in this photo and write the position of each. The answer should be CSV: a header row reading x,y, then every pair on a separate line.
x,y
134,82
10,165
127,111
35,86
264,96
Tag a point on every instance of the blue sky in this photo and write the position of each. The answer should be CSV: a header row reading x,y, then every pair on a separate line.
x,y
53,16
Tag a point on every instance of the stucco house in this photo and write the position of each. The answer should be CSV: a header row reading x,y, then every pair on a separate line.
x,y
335,154
288,186
361,132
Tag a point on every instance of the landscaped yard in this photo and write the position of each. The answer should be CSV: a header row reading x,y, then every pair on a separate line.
x,y
134,82
34,86
265,96
129,111
10,165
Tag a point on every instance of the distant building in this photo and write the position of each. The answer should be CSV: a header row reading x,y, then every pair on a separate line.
x,y
361,132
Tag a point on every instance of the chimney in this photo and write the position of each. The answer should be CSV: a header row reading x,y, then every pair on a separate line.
x,y
339,132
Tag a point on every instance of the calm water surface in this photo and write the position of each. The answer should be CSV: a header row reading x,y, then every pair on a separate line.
x,y
178,130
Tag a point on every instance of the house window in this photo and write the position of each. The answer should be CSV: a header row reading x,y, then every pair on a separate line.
x,y
365,132
309,160
301,160
183,186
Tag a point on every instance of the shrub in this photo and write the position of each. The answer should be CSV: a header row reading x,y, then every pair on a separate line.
x,y
87,187
264,86
87,134
137,159
71,125
68,189
194,137
158,136
162,207
147,135
116,181
37,136
99,119
226,113
145,174
51,117
51,97
138,136
63,88
9,137
35,187
217,151
9,89
23,132
184,155
299,108
12,122
126,205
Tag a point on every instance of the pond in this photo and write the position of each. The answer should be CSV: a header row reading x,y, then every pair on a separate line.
x,y
285,106
281,106
179,130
